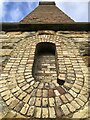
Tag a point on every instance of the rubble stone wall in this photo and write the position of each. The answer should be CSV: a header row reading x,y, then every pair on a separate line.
x,y
48,95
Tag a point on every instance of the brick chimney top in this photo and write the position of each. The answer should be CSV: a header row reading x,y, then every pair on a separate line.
x,y
46,3
47,13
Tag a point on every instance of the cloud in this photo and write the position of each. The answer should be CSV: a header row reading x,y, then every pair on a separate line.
x,y
15,15
15,10
67,0
0,11
76,10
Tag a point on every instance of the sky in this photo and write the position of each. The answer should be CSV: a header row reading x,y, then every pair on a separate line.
x,y
16,10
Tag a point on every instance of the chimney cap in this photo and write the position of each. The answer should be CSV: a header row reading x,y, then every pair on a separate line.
x,y
47,3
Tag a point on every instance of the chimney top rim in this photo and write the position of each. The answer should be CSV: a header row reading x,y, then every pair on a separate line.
x,y
47,3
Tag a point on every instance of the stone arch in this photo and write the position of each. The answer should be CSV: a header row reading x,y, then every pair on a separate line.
x,y
22,87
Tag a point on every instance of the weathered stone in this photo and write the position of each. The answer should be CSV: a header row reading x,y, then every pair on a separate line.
x,y
51,101
26,98
25,87
22,84
37,112
14,103
56,92
62,76
72,93
69,96
46,85
19,106
19,116
61,90
39,93
11,114
31,83
58,112
65,109
75,89
18,93
52,85
80,102
3,89
22,95
64,99
52,113
51,93
58,101
30,112
4,52
82,114
20,81
29,80
33,93
29,90
77,86
75,104
83,98
45,93
7,92
45,113
69,85
71,108
41,85
36,84
9,101
24,109
6,97
45,102
32,101
38,101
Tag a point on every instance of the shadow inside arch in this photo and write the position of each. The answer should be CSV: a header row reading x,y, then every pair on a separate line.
x,y
45,66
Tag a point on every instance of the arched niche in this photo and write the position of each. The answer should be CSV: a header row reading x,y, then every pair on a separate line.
x,y
45,66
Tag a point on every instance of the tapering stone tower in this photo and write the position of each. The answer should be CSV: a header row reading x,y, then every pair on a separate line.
x,y
44,68
47,13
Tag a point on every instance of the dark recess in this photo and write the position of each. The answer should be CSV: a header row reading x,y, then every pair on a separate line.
x,y
36,27
60,82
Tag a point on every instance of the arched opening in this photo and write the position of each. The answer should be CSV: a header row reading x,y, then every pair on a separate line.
x,y
45,67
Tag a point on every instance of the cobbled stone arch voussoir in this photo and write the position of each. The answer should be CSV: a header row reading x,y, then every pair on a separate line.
x,y
42,99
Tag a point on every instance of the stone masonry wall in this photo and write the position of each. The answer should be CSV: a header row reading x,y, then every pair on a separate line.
x,y
49,94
